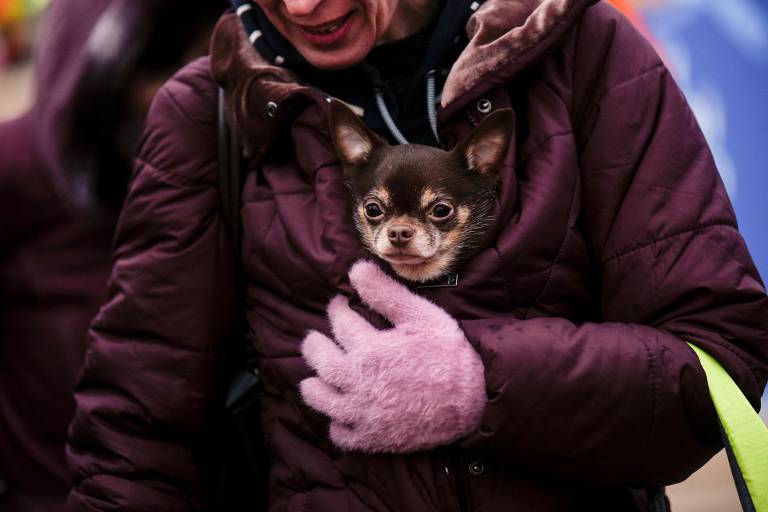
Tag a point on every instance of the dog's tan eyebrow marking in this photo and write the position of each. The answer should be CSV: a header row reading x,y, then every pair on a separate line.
x,y
428,197
452,238
382,194
462,215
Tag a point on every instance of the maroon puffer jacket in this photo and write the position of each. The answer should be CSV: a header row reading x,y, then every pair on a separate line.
x,y
614,243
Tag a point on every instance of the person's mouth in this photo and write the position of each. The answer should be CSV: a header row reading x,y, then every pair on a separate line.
x,y
327,33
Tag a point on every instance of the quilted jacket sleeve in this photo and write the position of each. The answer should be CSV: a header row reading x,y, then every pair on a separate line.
x,y
148,376
625,400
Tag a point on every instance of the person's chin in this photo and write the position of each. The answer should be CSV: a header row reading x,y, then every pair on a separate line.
x,y
334,59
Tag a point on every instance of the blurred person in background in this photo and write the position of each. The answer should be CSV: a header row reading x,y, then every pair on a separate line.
x,y
64,166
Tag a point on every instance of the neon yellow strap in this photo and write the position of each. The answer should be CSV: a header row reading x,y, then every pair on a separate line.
x,y
746,432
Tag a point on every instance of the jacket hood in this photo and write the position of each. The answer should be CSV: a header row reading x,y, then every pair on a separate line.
x,y
87,52
85,47
504,38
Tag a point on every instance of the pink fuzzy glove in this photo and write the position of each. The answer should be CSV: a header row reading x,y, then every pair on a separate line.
x,y
412,387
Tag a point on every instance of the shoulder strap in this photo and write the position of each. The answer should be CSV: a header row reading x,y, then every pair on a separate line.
x,y
745,436
245,376
230,177
237,470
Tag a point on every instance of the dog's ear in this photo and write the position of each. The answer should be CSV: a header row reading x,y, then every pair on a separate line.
x,y
354,142
484,150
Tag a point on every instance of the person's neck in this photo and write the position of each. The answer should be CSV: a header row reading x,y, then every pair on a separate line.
x,y
409,17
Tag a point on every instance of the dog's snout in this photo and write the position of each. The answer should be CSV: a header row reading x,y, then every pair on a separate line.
x,y
400,234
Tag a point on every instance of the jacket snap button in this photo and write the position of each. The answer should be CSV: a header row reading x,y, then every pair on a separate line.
x,y
476,468
484,106
271,108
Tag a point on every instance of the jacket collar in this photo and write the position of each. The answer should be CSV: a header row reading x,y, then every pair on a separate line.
x,y
505,37
256,91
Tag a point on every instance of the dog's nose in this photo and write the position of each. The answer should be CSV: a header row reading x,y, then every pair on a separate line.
x,y
400,235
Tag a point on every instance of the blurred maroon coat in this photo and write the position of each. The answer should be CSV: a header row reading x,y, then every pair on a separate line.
x,y
62,173
53,273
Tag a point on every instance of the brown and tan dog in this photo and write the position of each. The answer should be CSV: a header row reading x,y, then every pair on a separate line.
x,y
421,209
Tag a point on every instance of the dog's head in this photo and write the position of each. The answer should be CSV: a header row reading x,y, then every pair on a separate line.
x,y
420,208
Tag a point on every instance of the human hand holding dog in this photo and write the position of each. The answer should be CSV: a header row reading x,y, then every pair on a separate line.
x,y
412,387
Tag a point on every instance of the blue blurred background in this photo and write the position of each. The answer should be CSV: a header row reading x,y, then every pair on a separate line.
x,y
718,52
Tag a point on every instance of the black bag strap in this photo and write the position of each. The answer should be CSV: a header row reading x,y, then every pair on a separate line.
x,y
230,177
238,473
230,190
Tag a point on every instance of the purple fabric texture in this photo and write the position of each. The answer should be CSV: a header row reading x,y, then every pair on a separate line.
x,y
613,243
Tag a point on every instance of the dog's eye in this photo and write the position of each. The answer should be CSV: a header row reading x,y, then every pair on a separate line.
x,y
441,211
373,211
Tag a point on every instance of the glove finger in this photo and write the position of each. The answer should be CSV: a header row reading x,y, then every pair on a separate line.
x,y
393,300
327,359
349,328
328,400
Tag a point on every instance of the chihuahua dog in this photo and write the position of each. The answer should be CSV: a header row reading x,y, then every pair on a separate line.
x,y
421,209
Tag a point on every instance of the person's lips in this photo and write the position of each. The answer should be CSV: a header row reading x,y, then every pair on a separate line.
x,y
327,33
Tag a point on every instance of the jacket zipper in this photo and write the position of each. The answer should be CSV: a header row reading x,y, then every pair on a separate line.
x,y
451,468
460,483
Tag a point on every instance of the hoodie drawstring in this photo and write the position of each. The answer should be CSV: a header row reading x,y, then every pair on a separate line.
x,y
387,117
453,15
431,111
431,104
